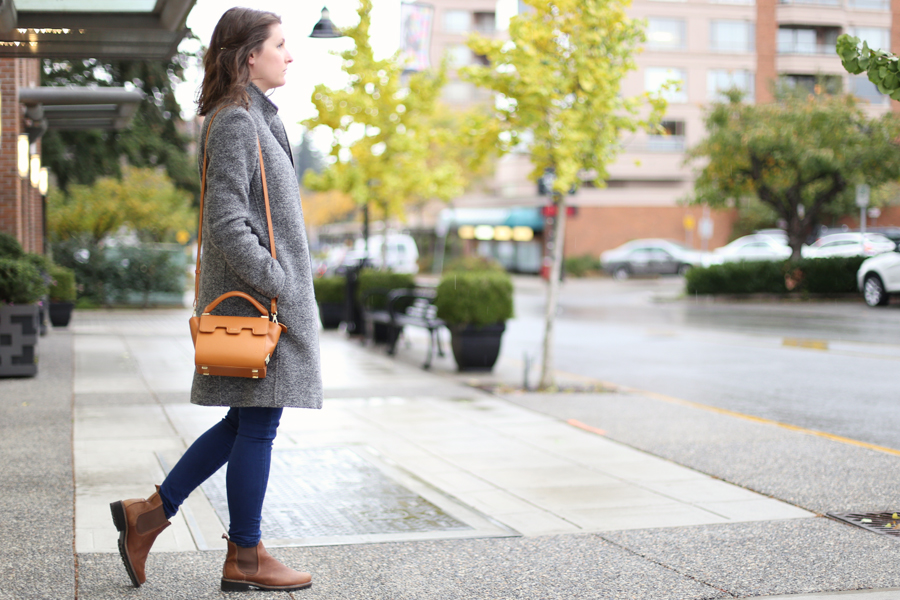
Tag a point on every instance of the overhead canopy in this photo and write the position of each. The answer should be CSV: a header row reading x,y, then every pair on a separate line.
x,y
510,217
70,108
110,29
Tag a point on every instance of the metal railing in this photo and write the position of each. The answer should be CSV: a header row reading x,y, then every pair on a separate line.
x,y
805,48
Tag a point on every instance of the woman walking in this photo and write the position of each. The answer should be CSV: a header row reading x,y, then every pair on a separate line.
x,y
247,57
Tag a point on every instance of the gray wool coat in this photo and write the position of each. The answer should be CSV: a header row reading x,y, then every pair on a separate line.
x,y
236,255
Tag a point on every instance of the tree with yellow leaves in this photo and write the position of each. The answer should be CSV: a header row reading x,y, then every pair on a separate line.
x,y
393,145
559,78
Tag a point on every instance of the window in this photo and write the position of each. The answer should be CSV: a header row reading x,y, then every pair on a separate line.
x,y
807,40
732,36
656,77
670,141
485,22
882,5
720,80
829,84
459,56
876,37
665,34
458,92
865,90
457,21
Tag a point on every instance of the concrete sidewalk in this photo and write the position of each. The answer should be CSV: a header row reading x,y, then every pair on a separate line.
x,y
408,484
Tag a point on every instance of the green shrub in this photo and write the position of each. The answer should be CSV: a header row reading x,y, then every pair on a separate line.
x,y
62,284
123,275
145,270
835,275
745,277
475,298
330,290
10,247
20,282
473,263
579,266
371,280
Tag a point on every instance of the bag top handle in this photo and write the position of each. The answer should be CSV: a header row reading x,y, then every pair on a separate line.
x,y
262,168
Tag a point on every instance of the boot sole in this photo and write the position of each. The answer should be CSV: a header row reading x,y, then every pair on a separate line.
x,y
118,515
244,586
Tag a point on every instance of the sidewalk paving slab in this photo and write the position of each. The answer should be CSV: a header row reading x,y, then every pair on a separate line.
x,y
574,497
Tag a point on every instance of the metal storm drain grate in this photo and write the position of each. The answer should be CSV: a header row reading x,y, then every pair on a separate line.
x,y
334,492
884,523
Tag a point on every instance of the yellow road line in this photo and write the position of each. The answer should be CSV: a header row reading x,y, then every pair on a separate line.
x,y
730,413
804,343
585,426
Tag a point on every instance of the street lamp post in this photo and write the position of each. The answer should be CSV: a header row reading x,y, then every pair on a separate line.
x,y
325,28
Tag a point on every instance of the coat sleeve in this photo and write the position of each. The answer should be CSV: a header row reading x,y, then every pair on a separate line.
x,y
233,162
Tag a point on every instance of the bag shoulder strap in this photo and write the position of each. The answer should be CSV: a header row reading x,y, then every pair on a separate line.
x,y
262,168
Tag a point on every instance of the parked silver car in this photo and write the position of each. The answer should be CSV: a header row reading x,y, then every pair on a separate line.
x,y
749,247
649,257
879,277
848,244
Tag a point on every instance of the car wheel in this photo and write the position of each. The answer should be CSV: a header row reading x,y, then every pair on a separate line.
x,y
621,273
683,269
873,291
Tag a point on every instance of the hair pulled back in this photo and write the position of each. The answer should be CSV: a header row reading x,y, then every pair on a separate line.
x,y
238,34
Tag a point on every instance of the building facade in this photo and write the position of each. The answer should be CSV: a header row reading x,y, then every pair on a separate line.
x,y
707,45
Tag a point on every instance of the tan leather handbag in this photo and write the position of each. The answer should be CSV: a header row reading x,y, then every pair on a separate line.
x,y
234,346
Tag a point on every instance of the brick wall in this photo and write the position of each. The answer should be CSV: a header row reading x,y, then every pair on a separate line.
x,y
21,212
598,228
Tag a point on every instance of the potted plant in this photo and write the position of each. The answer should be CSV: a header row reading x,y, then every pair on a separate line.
x,y
21,287
62,295
475,305
372,292
331,296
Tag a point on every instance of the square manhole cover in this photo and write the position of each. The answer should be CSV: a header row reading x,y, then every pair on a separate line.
x,y
341,495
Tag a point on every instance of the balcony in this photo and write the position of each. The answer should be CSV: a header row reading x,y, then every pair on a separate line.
x,y
806,49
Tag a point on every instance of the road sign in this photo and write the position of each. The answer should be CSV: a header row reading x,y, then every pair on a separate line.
x,y
862,195
689,222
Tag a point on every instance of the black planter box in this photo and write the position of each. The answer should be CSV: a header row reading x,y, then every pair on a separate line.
x,y
61,313
19,331
331,315
476,348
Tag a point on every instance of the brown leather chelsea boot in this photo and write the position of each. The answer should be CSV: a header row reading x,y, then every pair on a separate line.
x,y
138,521
247,568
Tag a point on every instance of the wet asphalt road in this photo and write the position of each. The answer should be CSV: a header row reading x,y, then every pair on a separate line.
x,y
832,366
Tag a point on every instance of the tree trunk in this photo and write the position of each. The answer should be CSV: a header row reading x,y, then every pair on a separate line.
x,y
547,379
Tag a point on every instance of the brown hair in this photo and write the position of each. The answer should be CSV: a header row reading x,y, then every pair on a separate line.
x,y
238,34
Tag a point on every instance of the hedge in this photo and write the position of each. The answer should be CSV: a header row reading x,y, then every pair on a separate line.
x,y
835,275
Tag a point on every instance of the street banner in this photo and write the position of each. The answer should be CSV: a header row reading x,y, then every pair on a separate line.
x,y
415,35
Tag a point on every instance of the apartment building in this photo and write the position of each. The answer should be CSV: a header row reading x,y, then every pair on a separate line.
x,y
707,45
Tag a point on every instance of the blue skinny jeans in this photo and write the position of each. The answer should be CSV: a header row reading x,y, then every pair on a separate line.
x,y
243,439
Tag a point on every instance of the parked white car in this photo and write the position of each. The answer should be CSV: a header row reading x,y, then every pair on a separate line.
x,y
848,244
749,247
649,257
879,277
401,255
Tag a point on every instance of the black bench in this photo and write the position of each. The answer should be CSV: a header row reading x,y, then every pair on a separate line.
x,y
405,307
414,308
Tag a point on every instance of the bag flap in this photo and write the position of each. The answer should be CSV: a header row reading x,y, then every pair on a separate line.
x,y
234,325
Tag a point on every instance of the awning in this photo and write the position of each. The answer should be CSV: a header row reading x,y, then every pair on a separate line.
x,y
70,108
111,29
509,217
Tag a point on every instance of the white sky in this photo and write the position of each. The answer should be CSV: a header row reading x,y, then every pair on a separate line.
x,y
312,62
